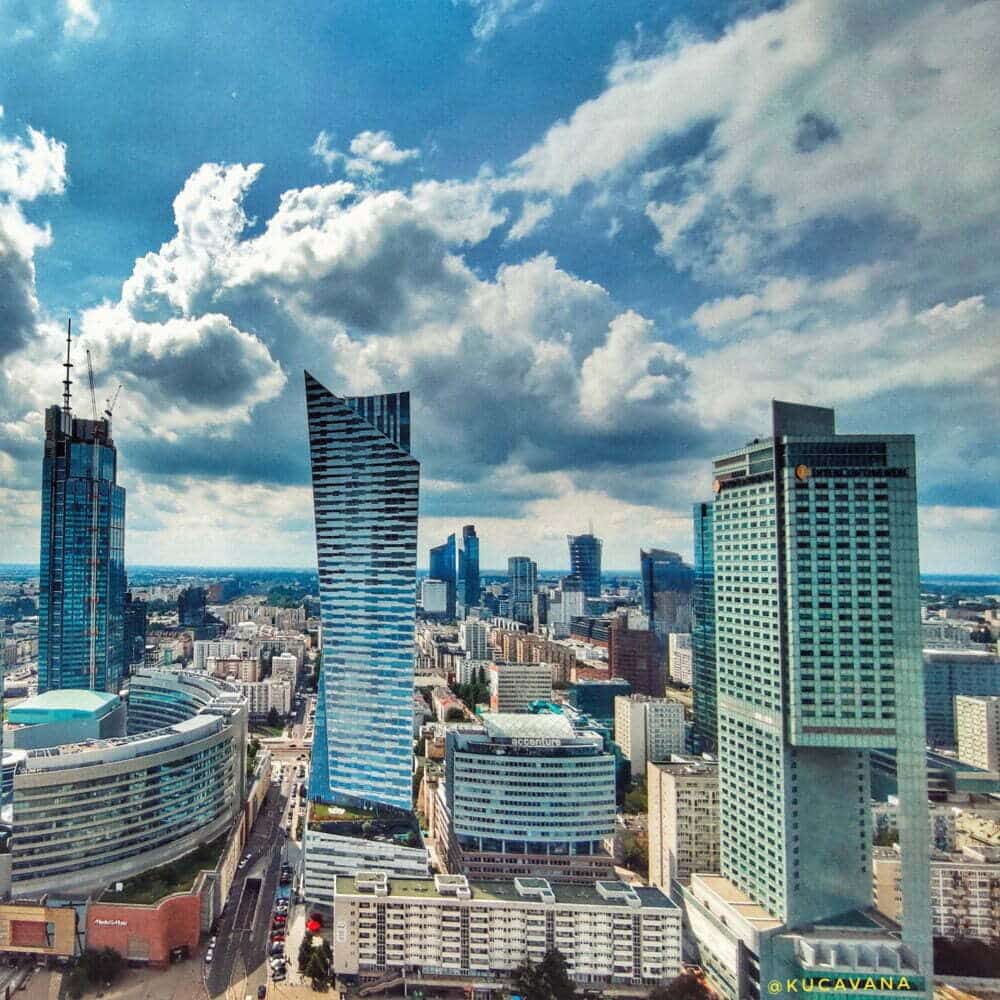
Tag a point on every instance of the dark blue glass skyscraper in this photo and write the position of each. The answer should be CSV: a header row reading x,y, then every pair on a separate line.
x,y
468,571
365,487
81,598
585,562
442,567
703,630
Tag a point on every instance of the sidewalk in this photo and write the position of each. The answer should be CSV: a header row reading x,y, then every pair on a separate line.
x,y
180,982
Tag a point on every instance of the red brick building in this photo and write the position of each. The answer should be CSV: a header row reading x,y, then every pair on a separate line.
x,y
147,933
636,656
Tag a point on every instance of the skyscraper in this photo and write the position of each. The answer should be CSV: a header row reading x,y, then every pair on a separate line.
x,y
667,582
81,598
442,567
817,638
585,561
191,607
703,631
468,571
365,485
522,577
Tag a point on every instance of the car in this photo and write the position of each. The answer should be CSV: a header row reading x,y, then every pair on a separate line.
x,y
261,992
241,865
278,948
278,977
280,919
209,955
211,941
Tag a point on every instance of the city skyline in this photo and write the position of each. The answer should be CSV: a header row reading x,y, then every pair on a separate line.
x,y
581,333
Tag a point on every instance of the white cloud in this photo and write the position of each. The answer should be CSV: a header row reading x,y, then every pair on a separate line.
x,y
368,153
533,215
34,168
495,15
81,19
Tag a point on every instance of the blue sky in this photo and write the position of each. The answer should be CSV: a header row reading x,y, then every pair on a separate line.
x,y
594,240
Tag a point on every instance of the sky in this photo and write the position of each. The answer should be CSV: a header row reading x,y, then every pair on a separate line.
x,y
593,240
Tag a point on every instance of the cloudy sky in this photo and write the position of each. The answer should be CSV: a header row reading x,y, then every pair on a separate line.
x,y
593,239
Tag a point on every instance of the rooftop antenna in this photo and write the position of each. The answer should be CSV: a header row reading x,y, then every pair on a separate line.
x,y
67,381
590,527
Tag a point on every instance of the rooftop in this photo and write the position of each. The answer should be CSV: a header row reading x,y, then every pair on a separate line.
x,y
524,726
62,706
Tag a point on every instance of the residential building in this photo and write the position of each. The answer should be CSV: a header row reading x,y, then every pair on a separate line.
x,y
514,686
585,561
977,721
366,541
239,668
474,638
81,594
703,631
527,795
637,656
205,649
680,658
648,729
683,816
285,667
953,672
964,892
434,598
611,933
817,612
442,567
263,696
469,585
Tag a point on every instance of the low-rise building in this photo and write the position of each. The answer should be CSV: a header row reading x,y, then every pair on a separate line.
x,y
451,929
648,729
514,686
240,668
683,819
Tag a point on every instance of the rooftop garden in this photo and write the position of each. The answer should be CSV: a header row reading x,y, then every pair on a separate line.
x,y
178,876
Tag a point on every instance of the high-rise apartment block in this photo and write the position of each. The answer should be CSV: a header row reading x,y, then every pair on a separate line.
x,y
818,661
683,796
978,723
585,561
365,484
648,729
81,595
680,658
514,686
474,638
469,584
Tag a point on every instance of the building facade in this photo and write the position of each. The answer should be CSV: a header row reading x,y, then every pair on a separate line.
x,y
703,631
683,797
637,656
527,796
365,484
667,585
648,729
469,585
81,595
948,674
442,567
514,686
977,721
680,658
817,619
585,561
451,929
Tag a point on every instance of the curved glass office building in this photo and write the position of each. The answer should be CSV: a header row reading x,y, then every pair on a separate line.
x,y
89,813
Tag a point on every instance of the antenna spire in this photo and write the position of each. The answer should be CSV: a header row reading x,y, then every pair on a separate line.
x,y
67,381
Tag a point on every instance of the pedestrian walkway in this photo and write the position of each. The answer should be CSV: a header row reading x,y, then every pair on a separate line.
x,y
179,982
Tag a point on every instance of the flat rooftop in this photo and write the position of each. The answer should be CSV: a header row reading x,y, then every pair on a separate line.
x,y
566,895
741,904
524,726
62,706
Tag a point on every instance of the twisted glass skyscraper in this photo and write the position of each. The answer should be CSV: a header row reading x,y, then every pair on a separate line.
x,y
81,596
365,485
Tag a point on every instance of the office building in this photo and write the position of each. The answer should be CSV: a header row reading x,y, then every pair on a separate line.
x,y
522,578
442,567
818,662
191,607
468,572
648,729
585,562
948,674
667,586
683,796
566,602
611,934
977,721
434,598
135,631
596,698
514,686
636,656
474,638
964,892
366,539
81,595
703,631
527,795
680,658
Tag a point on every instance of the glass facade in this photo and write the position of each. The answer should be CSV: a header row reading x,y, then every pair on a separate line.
x,y
703,631
468,571
81,602
365,486
442,567
818,660
585,562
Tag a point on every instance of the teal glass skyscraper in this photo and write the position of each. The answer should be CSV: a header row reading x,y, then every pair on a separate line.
x,y
818,661
365,487
468,571
81,595
442,567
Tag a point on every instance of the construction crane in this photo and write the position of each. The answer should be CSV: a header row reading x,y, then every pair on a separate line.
x,y
110,402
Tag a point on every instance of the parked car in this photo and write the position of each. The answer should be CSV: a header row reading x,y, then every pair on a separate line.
x,y
209,955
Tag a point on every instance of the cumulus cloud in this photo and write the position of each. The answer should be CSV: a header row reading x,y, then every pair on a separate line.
x,y
533,215
29,169
367,154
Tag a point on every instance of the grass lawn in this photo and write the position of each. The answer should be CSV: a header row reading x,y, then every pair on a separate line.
x,y
178,876
256,730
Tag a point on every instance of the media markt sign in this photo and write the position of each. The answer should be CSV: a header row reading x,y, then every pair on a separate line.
x,y
110,923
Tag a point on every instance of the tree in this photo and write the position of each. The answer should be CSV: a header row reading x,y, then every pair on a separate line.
x,y
76,983
274,718
636,801
548,980
687,986
305,953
